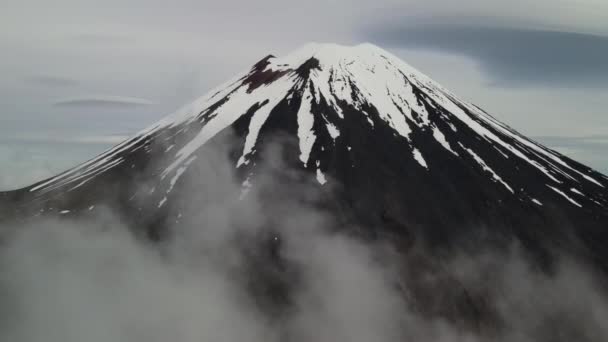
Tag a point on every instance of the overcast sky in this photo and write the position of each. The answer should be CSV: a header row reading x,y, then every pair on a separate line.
x,y
79,76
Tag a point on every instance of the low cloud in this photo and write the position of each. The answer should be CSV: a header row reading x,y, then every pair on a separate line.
x,y
275,266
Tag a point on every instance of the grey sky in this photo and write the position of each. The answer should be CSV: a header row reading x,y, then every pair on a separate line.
x,y
514,56
90,69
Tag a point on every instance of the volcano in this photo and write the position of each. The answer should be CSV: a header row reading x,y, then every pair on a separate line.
x,y
390,147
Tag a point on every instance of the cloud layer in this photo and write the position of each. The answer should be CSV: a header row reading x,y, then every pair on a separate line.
x,y
276,267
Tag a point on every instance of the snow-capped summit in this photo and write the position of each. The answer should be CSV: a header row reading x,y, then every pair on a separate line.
x,y
401,147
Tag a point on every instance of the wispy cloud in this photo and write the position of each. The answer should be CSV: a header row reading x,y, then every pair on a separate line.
x,y
103,101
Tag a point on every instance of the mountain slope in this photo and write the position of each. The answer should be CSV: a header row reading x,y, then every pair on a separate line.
x,y
391,147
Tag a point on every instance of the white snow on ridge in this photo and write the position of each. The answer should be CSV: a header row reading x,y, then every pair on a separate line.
x,y
306,120
501,152
446,102
89,175
536,201
577,192
179,172
238,103
485,167
442,140
565,196
259,118
533,146
87,167
333,131
85,172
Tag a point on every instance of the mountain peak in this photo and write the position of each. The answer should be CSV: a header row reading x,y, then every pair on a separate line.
x,y
333,55
329,52
356,104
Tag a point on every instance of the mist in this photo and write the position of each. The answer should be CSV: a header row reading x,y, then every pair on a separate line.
x,y
267,263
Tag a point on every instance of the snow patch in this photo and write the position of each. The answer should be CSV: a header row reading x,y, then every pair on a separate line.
x,y
321,177
240,100
565,196
577,192
419,158
485,167
179,173
537,202
442,140
333,131
306,121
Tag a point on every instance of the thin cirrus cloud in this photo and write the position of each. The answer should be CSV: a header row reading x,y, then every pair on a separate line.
x,y
109,102
513,56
